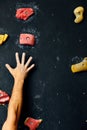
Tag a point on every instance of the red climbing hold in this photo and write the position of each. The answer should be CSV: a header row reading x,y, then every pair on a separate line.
x,y
28,39
4,97
32,123
24,13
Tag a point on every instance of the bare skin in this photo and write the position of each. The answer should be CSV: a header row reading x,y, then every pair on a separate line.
x,y
19,74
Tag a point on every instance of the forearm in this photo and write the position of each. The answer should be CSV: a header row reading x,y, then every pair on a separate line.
x,y
15,104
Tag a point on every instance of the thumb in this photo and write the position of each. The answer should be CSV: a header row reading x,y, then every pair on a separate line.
x,y
9,68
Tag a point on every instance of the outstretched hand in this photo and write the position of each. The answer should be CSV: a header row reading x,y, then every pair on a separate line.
x,y
21,70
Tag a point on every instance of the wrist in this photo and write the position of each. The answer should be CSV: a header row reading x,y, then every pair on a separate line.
x,y
19,80
18,84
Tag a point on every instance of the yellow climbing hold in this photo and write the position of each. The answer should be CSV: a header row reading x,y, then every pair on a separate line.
x,y
81,66
3,38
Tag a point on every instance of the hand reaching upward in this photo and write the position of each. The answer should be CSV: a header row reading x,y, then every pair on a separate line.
x,y
21,70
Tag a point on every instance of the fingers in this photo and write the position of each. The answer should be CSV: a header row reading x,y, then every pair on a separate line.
x,y
31,67
17,57
28,62
9,68
23,59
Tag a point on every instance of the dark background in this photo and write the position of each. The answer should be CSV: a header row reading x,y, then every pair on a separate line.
x,y
51,91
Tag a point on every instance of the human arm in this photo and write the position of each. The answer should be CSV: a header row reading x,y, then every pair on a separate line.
x,y
19,74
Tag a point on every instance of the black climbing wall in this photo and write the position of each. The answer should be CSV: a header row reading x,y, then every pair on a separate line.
x,y
51,91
